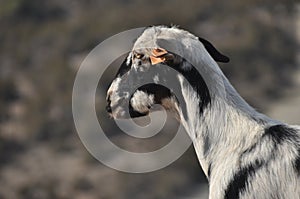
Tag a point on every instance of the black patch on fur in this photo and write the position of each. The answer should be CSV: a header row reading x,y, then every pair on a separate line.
x,y
160,92
297,163
209,171
240,180
196,81
280,133
133,113
214,53
124,68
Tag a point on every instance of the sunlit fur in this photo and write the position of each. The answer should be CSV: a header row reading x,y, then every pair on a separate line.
x,y
243,153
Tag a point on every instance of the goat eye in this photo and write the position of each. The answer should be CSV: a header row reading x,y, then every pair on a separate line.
x,y
139,56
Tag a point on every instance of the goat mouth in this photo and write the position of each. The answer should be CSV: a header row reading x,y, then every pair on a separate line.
x,y
135,114
120,113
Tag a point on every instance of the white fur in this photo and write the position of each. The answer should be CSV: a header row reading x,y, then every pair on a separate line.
x,y
140,101
156,79
227,127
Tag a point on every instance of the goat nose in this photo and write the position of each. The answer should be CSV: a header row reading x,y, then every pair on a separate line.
x,y
108,107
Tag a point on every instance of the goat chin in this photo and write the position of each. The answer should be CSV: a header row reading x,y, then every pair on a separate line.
x,y
121,113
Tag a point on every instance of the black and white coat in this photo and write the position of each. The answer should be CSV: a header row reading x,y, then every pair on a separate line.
x,y
243,153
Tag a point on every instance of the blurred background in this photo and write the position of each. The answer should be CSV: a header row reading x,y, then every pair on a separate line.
x,y
42,44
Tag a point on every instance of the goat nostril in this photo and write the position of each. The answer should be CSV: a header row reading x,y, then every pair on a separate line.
x,y
108,108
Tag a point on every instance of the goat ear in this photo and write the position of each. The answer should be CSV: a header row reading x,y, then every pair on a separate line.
x,y
216,55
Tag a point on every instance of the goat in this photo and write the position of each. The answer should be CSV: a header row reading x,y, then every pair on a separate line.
x,y
243,153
